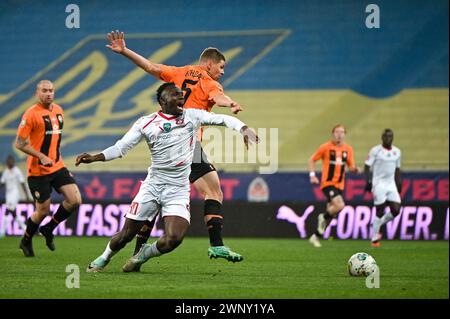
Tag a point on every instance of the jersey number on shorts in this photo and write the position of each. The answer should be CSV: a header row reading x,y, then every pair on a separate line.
x,y
133,208
186,89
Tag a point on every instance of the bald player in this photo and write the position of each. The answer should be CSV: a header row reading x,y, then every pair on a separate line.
x,y
39,136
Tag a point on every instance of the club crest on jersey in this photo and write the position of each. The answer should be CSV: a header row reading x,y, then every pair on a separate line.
x,y
167,127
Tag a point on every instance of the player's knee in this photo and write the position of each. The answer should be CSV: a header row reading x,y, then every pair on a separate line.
x,y
395,210
339,206
43,209
380,212
74,203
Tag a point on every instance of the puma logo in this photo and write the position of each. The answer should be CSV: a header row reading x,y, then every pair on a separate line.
x,y
286,213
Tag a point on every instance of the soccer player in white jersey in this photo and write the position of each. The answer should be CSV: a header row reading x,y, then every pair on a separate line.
x,y
12,177
170,135
382,170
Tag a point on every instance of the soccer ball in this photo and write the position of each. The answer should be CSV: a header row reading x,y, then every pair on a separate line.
x,y
361,264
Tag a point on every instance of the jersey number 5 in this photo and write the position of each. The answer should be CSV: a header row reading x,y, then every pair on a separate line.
x,y
186,89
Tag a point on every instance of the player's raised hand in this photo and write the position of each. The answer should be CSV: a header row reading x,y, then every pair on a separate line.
x,y
116,41
249,136
84,158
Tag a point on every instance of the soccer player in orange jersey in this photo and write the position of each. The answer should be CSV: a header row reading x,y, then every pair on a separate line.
x,y
39,136
201,91
335,155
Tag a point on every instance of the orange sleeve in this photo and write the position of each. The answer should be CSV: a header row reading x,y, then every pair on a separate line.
x,y
26,125
214,88
351,158
319,153
168,73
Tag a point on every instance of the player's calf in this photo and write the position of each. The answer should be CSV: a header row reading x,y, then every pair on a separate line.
x,y
143,235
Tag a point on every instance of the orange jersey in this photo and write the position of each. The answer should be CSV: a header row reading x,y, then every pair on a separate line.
x,y
198,87
43,128
334,159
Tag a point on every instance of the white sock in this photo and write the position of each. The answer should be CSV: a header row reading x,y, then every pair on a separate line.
x,y
386,218
3,226
108,253
21,224
376,224
151,250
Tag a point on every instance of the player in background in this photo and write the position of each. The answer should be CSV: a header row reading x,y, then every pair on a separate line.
x,y
12,177
383,179
170,135
335,156
201,91
39,136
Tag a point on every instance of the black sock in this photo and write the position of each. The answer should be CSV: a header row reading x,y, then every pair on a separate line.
x,y
31,229
142,236
215,224
328,219
61,215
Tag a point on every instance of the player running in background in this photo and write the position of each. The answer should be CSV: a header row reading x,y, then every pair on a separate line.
x,y
382,170
170,135
12,177
201,91
39,136
335,155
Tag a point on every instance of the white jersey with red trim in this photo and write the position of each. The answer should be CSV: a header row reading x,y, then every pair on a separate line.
x,y
171,140
383,162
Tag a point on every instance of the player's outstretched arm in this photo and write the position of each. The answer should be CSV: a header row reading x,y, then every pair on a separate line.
x,y
117,44
118,150
207,118
225,101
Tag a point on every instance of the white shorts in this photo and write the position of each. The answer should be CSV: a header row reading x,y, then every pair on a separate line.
x,y
12,199
168,199
383,192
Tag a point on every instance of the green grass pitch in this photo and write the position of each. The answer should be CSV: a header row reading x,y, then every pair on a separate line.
x,y
273,268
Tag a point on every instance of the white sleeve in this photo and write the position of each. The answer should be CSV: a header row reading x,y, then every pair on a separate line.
x,y
20,175
2,180
371,157
209,118
126,143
